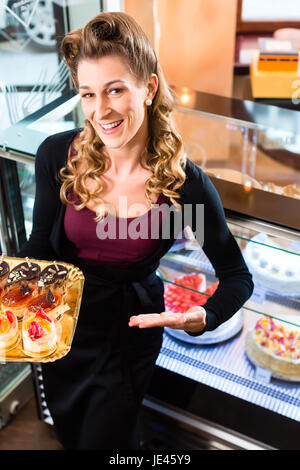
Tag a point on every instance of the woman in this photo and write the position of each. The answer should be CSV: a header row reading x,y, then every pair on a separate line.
x,y
127,149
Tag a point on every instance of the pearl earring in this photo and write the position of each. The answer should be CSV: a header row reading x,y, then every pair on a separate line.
x,y
148,102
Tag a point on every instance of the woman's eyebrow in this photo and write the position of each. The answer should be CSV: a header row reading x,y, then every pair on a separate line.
x,y
86,87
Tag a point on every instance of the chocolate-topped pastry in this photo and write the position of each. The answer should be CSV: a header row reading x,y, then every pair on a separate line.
x,y
53,276
4,272
24,273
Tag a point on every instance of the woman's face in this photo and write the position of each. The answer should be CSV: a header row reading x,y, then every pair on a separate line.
x,y
114,102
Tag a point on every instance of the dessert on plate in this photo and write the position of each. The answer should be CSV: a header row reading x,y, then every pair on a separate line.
x,y
9,332
38,334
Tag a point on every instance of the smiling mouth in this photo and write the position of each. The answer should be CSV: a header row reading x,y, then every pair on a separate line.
x,y
112,125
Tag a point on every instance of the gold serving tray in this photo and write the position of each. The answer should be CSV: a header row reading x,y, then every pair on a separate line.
x,y
65,326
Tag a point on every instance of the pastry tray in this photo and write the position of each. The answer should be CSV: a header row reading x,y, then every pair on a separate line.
x,y
65,326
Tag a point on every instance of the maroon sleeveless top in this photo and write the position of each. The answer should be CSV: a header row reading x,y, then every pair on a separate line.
x,y
117,240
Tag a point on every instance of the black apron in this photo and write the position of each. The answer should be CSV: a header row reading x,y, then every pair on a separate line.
x,y
94,393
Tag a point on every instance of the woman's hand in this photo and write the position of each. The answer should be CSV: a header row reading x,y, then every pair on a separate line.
x,y
193,320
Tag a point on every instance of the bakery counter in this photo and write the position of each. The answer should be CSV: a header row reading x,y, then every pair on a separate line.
x,y
249,367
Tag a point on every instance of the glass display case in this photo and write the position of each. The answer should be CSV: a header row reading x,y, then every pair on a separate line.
x,y
253,357
234,379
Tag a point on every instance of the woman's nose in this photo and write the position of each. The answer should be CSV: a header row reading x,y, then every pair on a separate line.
x,y
102,108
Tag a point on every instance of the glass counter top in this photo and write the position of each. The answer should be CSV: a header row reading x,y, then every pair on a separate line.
x,y
280,125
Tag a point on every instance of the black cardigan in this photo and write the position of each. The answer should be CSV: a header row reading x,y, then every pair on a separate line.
x,y
48,240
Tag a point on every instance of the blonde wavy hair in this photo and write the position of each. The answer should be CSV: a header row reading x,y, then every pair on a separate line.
x,y
119,34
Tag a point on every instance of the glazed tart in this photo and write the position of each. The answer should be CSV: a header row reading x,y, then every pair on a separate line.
x,y
51,303
16,299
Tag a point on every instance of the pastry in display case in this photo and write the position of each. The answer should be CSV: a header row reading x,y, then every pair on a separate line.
x,y
274,345
39,308
291,190
234,176
272,265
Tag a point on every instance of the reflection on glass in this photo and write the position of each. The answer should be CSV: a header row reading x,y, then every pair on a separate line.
x,y
32,74
266,159
27,189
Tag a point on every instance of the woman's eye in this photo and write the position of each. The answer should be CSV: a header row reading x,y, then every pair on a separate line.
x,y
87,95
115,91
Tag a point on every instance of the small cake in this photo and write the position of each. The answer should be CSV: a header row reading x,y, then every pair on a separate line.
x,y
273,268
53,277
50,302
291,190
16,299
23,274
4,272
9,332
276,347
193,292
38,334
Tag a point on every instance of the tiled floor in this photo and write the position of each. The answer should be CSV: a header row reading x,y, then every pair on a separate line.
x,y
26,432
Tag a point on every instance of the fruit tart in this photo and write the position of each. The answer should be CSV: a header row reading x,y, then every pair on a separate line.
x,y
9,332
38,334
16,299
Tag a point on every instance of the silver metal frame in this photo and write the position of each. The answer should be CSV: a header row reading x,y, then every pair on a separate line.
x,y
261,226
217,436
